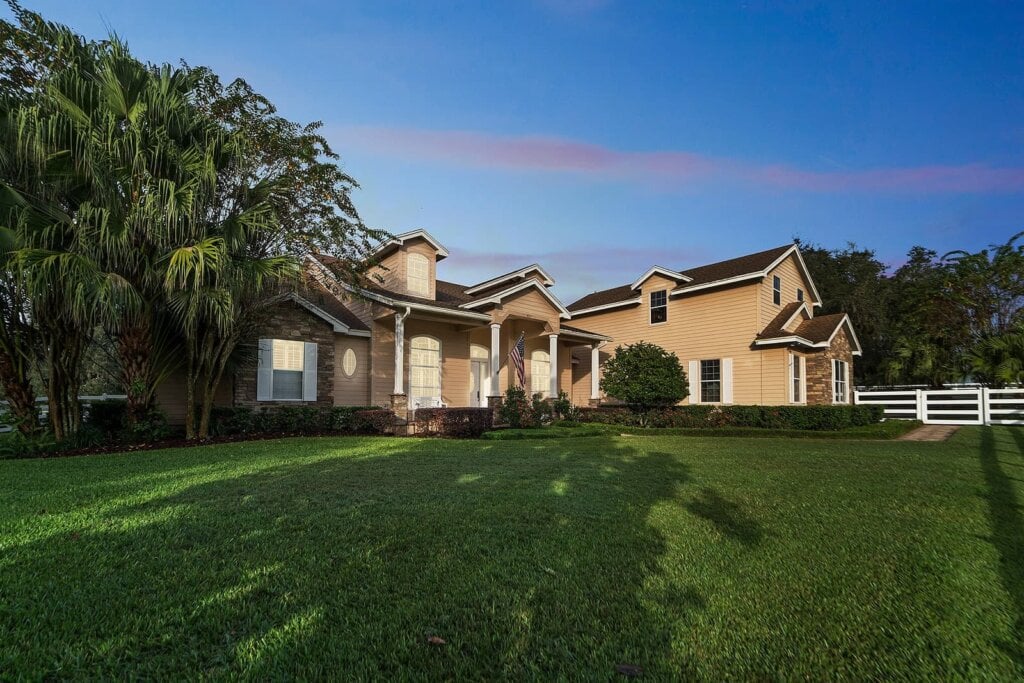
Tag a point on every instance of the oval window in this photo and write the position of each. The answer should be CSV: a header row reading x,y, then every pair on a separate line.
x,y
348,362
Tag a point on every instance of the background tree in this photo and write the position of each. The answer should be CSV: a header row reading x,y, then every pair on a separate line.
x,y
852,280
644,375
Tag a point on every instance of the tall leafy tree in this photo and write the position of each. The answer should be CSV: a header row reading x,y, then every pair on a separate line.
x,y
852,280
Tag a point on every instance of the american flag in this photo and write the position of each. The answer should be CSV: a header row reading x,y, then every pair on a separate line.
x,y
516,354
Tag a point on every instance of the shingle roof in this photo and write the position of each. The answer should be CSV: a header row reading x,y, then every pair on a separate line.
x,y
775,327
820,329
713,272
569,328
734,267
814,330
605,296
319,296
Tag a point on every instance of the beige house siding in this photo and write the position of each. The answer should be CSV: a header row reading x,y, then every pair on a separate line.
x,y
455,379
392,271
717,324
170,397
528,304
354,390
792,277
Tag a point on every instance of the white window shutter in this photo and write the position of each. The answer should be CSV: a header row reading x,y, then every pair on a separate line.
x,y
848,384
309,372
727,380
265,370
803,379
789,381
694,381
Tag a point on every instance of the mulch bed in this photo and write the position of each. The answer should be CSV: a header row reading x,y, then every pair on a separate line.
x,y
176,442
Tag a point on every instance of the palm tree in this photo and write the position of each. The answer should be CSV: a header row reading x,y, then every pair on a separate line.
x,y
999,359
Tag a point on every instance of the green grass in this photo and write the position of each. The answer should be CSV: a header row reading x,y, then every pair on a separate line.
x,y
690,557
882,430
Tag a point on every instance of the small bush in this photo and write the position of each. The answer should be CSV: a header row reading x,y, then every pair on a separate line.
x,y
373,422
516,410
644,375
241,421
564,410
459,423
106,416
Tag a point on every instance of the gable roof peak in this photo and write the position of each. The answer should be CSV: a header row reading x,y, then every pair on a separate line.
x,y
400,239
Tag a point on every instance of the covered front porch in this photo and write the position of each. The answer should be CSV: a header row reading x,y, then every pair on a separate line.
x,y
434,360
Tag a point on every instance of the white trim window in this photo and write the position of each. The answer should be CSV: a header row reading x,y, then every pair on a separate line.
x,y
840,381
417,274
286,370
711,381
424,372
540,373
777,290
659,306
797,379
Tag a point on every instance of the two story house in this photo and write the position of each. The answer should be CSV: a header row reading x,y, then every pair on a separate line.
x,y
744,328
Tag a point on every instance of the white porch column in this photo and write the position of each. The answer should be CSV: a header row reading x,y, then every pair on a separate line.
x,y
400,352
595,369
553,351
495,358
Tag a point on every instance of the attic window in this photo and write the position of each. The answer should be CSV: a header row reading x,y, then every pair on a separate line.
x,y
418,274
777,290
799,294
659,306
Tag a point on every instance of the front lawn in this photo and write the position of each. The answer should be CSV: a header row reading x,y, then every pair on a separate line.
x,y
690,556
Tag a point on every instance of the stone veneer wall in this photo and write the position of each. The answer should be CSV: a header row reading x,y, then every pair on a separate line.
x,y
819,369
292,322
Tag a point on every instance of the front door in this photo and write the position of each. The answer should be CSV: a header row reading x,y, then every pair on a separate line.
x,y
478,373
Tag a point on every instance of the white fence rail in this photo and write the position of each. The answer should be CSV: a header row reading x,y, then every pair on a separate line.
x,y
949,406
44,405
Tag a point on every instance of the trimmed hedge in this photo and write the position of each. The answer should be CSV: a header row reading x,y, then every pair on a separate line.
x,y
813,418
231,421
459,423
374,421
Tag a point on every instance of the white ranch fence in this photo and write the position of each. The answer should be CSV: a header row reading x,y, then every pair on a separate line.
x,y
86,401
973,406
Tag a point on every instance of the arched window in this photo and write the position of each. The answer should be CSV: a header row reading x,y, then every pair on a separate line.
x,y
540,372
417,270
424,372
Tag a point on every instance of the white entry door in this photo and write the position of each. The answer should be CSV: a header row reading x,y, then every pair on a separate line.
x,y
477,382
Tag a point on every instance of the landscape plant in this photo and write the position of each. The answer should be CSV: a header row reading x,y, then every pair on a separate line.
x,y
643,376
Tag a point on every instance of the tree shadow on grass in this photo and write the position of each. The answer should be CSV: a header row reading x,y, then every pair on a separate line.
x,y
1007,528
726,516
530,559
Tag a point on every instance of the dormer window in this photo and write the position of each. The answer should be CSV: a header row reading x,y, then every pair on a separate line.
x,y
417,273
777,290
659,306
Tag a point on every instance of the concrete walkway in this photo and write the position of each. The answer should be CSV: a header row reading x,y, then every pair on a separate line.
x,y
930,433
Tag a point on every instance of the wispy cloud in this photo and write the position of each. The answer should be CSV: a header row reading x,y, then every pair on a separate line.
x,y
669,169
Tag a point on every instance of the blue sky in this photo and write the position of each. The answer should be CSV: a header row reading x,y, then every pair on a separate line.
x,y
601,137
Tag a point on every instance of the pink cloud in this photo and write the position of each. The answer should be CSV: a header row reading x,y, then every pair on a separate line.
x,y
672,169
